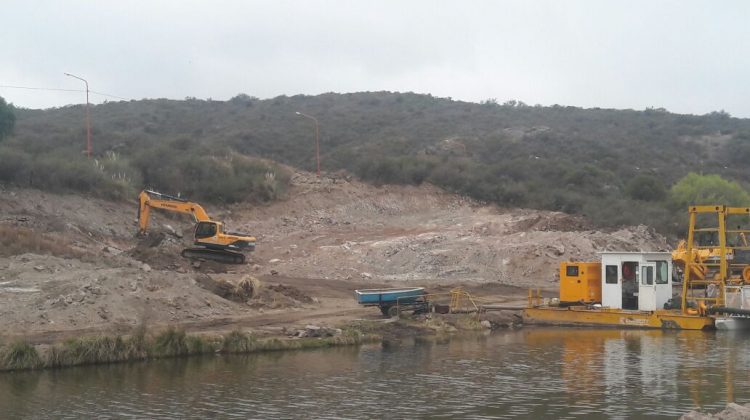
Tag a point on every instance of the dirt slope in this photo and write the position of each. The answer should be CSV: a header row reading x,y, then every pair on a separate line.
x,y
332,228
329,237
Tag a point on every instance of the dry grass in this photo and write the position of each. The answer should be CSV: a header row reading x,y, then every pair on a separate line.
x,y
17,240
170,343
197,344
95,350
19,356
238,342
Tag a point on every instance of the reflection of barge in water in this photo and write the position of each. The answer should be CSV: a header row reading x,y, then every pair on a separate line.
x,y
634,289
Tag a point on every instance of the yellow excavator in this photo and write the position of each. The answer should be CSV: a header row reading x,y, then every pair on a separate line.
x,y
699,258
212,242
704,258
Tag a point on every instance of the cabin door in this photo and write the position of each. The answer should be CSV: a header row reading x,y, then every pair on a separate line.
x,y
647,288
662,283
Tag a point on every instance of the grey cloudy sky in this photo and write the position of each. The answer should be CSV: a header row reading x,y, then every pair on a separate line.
x,y
686,56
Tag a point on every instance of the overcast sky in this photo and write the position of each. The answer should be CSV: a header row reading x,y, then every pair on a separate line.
x,y
686,56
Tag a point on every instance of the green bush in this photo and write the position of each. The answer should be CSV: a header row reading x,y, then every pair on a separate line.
x,y
20,355
7,119
237,342
199,345
171,342
226,178
14,165
92,350
695,189
645,188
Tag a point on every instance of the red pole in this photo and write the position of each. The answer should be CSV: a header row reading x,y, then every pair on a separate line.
x,y
88,123
317,146
88,117
317,139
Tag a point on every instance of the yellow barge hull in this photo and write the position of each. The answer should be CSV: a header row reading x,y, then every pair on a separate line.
x,y
580,315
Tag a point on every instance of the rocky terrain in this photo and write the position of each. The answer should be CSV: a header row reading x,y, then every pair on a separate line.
x,y
732,412
72,265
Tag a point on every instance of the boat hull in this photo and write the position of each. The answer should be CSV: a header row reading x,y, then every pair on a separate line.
x,y
579,315
391,296
731,323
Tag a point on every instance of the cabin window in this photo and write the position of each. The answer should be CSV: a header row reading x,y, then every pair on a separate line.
x,y
205,230
629,270
647,275
571,271
662,272
610,274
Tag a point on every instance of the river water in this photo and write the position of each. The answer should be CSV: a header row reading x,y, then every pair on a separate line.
x,y
530,373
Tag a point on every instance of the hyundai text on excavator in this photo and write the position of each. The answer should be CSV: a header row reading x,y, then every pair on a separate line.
x,y
212,242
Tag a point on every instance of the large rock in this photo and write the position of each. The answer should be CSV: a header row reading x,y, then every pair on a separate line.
x,y
732,412
172,231
241,292
152,239
502,319
314,331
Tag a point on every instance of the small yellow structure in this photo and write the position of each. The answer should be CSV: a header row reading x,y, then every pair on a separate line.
x,y
580,282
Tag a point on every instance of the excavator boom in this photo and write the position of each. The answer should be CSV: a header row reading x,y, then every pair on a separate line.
x,y
152,199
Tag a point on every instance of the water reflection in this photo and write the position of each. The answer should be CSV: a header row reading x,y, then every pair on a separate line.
x,y
533,373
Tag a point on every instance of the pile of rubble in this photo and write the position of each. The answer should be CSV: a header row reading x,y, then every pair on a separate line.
x,y
314,331
511,248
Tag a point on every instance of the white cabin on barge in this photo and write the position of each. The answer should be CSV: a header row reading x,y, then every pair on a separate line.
x,y
636,280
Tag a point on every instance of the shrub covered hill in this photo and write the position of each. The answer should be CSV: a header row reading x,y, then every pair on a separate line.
x,y
614,166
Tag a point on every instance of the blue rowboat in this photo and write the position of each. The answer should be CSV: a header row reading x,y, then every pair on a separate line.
x,y
385,297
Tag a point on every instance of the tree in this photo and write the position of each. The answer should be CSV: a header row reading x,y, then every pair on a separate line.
x,y
7,119
645,188
696,189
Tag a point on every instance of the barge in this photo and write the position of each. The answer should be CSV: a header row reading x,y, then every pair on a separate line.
x,y
625,289
637,289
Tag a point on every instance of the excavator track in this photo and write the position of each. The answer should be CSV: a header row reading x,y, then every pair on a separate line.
x,y
218,255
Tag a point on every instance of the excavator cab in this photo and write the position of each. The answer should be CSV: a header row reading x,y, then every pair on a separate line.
x,y
205,230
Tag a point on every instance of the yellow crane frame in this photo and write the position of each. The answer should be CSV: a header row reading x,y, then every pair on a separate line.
x,y
723,268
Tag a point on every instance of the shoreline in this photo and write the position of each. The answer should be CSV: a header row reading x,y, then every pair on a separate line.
x,y
170,343
143,345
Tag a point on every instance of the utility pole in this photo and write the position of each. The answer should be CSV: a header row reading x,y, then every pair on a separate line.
x,y
88,117
317,138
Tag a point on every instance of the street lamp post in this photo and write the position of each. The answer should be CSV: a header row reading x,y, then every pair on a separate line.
x,y
317,138
88,118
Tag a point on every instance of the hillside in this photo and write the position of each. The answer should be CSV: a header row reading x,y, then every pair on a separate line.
x,y
613,166
72,266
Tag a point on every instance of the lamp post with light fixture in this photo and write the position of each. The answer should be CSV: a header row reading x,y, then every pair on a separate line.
x,y
88,118
317,139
